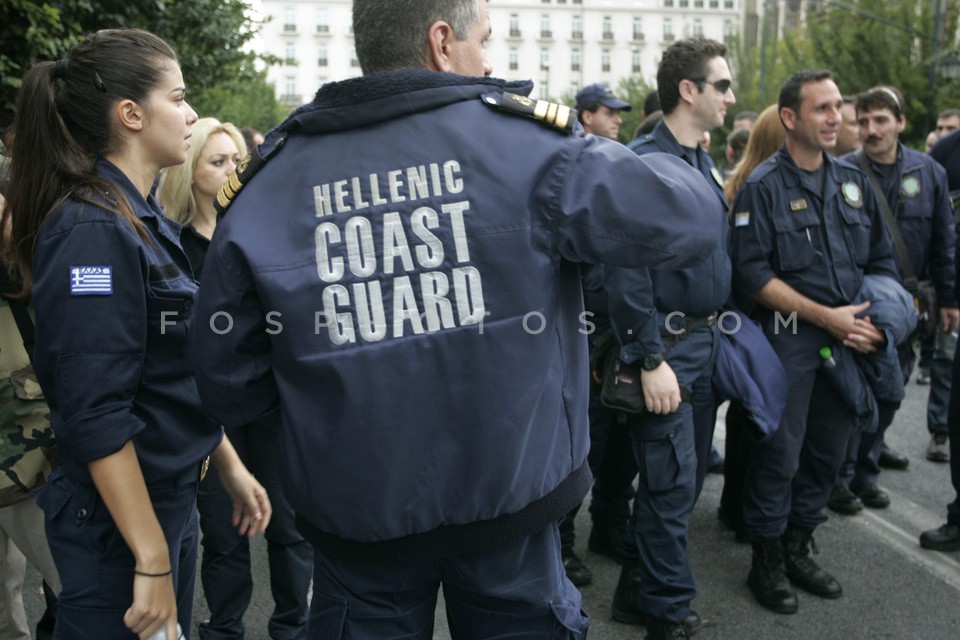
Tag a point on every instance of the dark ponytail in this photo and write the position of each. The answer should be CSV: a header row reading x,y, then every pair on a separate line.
x,y
63,123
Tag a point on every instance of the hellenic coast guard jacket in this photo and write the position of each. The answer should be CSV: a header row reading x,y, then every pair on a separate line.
x,y
399,282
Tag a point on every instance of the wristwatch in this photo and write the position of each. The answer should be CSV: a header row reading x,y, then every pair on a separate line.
x,y
651,361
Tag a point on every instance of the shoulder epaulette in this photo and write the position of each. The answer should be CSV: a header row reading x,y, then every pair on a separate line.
x,y
555,115
248,167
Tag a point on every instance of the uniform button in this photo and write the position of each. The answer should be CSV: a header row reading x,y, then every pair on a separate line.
x,y
81,513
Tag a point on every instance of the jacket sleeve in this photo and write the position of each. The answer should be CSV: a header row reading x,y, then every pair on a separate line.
x,y
752,241
230,343
621,209
632,312
90,348
944,241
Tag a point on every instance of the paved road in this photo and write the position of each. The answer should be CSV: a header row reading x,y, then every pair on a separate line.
x,y
892,588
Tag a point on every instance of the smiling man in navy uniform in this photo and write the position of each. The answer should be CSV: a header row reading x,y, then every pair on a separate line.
x,y
806,230
915,188
396,281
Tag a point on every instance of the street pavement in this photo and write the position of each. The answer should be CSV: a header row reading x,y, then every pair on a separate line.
x,y
892,588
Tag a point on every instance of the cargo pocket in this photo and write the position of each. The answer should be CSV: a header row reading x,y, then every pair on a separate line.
x,y
327,617
662,463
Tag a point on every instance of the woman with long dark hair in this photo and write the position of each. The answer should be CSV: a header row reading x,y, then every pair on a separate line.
x,y
113,295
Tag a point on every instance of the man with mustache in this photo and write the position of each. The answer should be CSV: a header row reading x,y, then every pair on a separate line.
x,y
915,187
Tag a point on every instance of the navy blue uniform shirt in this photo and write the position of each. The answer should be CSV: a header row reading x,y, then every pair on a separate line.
x,y
821,245
641,299
917,192
113,313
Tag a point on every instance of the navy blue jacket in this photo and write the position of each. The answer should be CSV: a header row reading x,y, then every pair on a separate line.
x,y
919,199
402,281
821,248
947,152
641,298
113,314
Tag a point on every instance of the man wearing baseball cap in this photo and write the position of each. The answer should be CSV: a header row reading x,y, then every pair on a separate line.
x,y
600,110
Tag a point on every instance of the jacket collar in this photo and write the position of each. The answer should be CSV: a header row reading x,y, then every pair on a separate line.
x,y
794,176
144,208
392,94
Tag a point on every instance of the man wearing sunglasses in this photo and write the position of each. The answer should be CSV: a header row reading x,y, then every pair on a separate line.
x,y
665,319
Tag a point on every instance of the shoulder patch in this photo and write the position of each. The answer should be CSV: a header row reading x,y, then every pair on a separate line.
x,y
555,115
248,167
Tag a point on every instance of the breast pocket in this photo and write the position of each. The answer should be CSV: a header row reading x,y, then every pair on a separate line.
x,y
856,229
798,239
167,326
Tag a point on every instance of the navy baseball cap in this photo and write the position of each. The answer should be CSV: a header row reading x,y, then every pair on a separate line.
x,y
600,93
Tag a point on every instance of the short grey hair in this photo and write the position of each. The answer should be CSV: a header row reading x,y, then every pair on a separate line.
x,y
392,34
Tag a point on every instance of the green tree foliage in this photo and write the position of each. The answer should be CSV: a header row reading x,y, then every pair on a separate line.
x,y
864,43
632,90
29,31
209,36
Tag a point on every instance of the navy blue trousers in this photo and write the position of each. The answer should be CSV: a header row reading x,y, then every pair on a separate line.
x,y
953,426
862,464
225,568
518,591
95,563
613,468
790,474
665,449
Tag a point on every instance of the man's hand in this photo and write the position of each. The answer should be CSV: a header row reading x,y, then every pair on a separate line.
x,y
865,337
949,319
661,391
856,333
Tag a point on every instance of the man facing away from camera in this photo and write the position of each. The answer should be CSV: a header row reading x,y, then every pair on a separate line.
x,y
409,313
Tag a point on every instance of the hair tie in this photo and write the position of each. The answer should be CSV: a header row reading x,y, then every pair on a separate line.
x,y
892,95
98,82
60,68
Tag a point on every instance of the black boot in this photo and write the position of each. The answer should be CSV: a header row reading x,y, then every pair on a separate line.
x,y
802,570
767,579
658,629
626,599
577,572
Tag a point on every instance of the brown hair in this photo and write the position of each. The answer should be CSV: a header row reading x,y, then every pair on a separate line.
x,y
766,137
63,123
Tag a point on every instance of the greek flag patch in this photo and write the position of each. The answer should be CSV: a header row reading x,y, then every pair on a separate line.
x,y
741,219
91,281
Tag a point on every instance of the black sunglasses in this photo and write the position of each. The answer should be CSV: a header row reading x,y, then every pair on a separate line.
x,y
720,85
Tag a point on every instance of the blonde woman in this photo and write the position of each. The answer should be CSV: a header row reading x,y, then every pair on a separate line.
x,y
766,138
187,193
187,190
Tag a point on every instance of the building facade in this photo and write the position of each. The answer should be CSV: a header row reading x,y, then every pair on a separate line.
x,y
559,44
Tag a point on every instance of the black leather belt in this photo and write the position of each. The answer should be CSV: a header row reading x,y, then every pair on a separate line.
x,y
688,326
